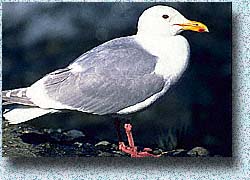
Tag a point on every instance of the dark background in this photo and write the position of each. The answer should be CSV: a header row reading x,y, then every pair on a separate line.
x,y
41,37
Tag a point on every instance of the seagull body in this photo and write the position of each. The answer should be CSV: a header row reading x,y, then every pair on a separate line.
x,y
121,76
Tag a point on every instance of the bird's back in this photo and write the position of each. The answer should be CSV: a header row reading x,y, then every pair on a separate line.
x,y
104,80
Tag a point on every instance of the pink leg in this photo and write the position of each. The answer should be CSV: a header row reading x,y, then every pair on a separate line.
x,y
132,149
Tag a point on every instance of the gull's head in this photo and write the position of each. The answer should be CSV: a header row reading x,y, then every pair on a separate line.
x,y
166,21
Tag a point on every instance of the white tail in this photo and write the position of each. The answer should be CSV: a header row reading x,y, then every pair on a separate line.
x,y
22,114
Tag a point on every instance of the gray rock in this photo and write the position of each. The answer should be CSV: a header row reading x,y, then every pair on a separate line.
x,y
105,154
114,146
78,144
103,145
198,151
73,134
157,151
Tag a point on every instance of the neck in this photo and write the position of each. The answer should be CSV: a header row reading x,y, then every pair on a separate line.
x,y
154,43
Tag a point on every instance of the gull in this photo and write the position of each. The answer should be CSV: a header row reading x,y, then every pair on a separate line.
x,y
118,77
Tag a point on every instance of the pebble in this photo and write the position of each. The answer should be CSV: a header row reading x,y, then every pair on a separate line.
x,y
102,144
78,144
114,146
59,130
157,151
105,154
198,151
73,134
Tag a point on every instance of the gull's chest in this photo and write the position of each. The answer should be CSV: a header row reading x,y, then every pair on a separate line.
x,y
172,53
172,57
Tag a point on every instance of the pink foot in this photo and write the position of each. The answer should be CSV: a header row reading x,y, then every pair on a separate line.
x,y
132,149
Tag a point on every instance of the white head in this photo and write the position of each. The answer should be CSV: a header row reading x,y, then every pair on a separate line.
x,y
166,21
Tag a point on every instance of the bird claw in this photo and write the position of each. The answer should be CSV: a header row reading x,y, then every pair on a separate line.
x,y
132,149
134,153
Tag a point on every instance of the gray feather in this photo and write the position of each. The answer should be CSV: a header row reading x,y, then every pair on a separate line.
x,y
115,75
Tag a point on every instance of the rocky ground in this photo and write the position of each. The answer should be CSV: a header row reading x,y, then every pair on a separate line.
x,y
23,141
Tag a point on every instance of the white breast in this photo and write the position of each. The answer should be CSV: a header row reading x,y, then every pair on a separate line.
x,y
172,52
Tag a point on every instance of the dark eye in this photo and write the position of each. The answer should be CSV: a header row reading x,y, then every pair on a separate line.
x,y
165,16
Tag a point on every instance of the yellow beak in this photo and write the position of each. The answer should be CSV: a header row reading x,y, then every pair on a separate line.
x,y
194,26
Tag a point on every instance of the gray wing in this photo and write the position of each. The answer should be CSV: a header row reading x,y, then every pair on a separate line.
x,y
115,75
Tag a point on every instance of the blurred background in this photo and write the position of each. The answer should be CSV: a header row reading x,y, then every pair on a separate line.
x,y
41,37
